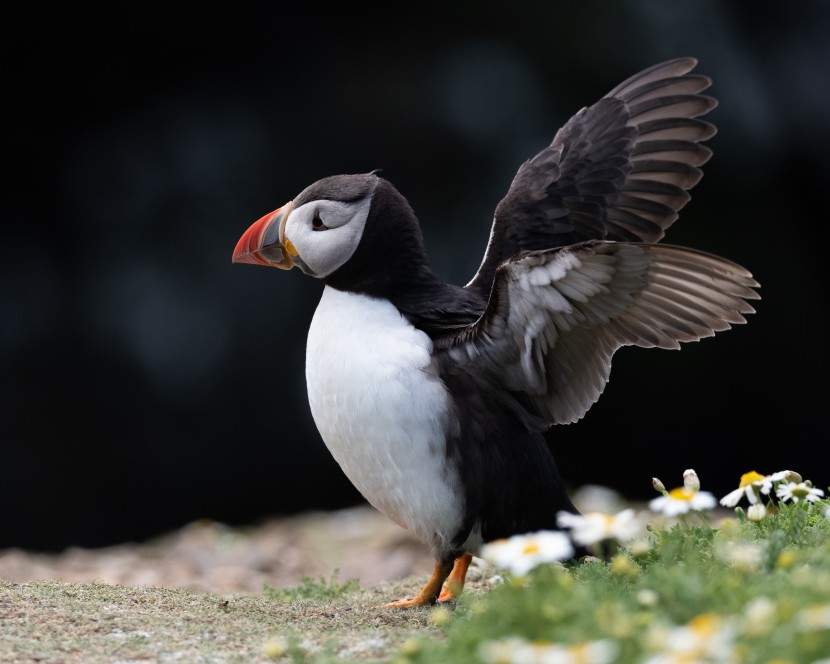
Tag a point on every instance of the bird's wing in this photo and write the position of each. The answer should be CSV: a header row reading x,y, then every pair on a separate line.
x,y
556,317
618,170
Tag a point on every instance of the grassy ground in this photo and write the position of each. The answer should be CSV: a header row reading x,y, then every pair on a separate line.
x,y
743,589
91,623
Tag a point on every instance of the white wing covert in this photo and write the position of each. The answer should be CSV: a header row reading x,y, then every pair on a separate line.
x,y
556,317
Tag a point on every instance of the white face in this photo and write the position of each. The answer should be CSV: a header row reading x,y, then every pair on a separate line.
x,y
326,233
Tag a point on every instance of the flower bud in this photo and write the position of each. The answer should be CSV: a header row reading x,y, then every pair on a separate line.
x,y
691,482
756,512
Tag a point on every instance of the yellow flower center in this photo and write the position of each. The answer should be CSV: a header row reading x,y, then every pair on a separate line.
x,y
607,520
682,493
749,478
705,624
530,548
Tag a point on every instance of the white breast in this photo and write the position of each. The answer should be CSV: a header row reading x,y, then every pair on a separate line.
x,y
382,411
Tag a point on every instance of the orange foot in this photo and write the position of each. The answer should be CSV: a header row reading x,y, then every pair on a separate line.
x,y
436,590
455,581
408,602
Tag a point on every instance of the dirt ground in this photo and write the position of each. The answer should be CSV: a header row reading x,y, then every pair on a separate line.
x,y
213,557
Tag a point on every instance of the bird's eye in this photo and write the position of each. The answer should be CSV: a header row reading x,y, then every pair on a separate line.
x,y
317,223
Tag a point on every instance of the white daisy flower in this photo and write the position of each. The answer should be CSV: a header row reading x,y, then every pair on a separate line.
x,y
753,485
501,651
813,618
681,500
750,486
515,650
746,557
593,527
603,651
770,481
705,638
798,491
760,617
521,553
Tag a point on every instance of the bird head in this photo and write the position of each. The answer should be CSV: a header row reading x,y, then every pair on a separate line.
x,y
318,231
355,232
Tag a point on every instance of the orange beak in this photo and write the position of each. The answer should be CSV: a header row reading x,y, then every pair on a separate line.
x,y
264,242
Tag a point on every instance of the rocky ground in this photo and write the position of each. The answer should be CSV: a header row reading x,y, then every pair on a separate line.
x,y
212,557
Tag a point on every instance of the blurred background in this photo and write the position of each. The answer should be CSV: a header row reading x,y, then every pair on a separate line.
x,y
148,382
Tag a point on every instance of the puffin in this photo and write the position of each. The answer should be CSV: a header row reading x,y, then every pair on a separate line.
x,y
435,398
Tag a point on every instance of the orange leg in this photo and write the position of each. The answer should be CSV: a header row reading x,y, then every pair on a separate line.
x,y
455,581
429,593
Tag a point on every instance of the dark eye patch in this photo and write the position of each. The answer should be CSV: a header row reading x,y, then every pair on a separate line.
x,y
317,223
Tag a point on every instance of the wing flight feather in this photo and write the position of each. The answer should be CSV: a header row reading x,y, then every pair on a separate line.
x,y
556,317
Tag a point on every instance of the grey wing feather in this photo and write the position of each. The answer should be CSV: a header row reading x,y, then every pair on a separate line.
x,y
556,317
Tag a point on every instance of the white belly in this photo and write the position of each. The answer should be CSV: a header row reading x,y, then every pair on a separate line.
x,y
382,411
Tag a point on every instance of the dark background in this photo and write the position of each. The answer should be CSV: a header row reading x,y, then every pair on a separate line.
x,y
148,382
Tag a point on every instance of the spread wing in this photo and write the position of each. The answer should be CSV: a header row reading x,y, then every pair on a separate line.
x,y
556,317
618,170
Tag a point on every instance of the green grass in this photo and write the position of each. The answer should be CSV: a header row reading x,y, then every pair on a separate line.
x,y
741,592
748,592
314,590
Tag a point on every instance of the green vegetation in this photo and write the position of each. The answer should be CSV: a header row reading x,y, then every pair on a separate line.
x,y
666,587
746,591
739,594
315,590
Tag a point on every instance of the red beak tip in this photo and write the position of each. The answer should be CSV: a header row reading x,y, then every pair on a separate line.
x,y
243,257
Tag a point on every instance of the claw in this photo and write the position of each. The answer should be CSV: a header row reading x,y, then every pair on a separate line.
x,y
407,603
